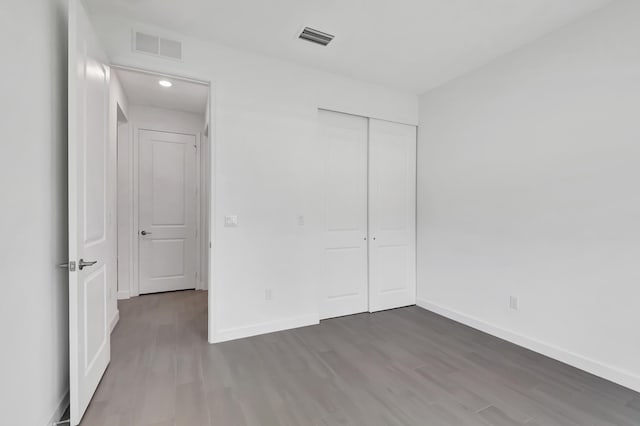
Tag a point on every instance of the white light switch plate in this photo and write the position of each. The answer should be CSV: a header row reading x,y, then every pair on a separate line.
x,y
231,221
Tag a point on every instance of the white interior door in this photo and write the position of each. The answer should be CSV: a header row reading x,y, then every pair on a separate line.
x,y
167,211
89,212
392,215
343,289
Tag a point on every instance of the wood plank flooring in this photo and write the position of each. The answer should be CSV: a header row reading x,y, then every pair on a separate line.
x,y
401,367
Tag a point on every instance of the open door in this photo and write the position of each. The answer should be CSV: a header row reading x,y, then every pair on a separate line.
x,y
89,242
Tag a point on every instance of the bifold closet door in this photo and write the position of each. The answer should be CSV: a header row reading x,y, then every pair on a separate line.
x,y
392,215
343,284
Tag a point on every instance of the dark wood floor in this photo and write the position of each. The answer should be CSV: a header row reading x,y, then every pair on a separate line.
x,y
400,367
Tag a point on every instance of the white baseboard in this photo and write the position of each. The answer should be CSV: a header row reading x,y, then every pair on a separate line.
x,y
60,409
123,294
264,328
597,368
114,320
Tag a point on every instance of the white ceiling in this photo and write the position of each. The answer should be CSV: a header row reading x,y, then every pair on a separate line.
x,y
412,45
143,89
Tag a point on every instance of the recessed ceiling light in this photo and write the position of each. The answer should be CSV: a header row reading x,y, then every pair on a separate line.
x,y
165,83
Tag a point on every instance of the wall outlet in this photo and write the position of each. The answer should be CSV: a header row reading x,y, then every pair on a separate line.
x,y
268,294
300,220
513,303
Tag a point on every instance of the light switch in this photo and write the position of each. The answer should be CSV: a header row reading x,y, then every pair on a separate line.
x,y
230,221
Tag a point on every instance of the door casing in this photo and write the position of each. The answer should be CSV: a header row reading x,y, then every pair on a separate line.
x,y
206,258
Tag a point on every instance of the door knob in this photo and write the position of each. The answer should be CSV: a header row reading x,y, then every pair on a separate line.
x,y
143,232
82,263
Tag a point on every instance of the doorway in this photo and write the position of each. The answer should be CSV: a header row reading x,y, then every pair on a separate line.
x,y
107,113
162,191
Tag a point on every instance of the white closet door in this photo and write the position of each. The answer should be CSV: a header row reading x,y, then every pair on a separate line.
x,y
392,215
343,288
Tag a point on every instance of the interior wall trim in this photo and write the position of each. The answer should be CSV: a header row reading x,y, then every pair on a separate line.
x,y
265,327
114,320
369,117
59,411
605,371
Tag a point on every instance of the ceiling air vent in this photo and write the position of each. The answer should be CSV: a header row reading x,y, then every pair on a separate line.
x,y
157,46
315,36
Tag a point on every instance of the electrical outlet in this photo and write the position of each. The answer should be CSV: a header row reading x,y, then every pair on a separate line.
x,y
268,294
513,303
300,220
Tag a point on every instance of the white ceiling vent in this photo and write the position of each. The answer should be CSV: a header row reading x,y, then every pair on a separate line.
x,y
157,46
315,36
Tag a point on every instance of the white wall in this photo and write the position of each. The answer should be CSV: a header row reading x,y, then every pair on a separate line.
x,y
161,119
117,98
529,172
267,172
34,360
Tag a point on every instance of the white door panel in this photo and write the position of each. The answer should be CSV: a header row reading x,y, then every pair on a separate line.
x,y
89,239
343,289
167,211
392,201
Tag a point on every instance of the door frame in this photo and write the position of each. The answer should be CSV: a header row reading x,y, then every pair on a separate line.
x,y
122,126
415,237
204,193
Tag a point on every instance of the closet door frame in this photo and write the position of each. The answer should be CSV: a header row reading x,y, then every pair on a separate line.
x,y
381,291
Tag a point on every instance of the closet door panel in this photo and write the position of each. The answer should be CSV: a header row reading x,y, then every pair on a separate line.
x,y
343,285
392,215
